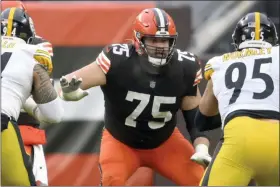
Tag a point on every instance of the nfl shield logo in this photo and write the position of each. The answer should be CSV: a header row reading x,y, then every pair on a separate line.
x,y
152,84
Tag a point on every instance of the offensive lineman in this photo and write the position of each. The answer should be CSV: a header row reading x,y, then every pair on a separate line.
x,y
25,71
244,86
144,85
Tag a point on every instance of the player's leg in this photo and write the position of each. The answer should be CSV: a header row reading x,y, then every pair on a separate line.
x,y
16,170
263,157
229,166
143,176
172,160
117,161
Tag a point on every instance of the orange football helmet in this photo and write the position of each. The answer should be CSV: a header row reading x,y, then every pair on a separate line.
x,y
154,23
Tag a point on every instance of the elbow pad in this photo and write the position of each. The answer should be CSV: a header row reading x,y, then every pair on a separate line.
x,y
189,116
51,112
205,123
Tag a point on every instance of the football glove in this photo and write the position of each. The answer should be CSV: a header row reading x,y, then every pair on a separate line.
x,y
71,91
201,155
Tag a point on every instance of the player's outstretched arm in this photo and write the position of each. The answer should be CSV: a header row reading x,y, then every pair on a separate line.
x,y
48,107
199,139
73,85
207,116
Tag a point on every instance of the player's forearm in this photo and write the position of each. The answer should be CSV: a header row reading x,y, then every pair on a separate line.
x,y
206,123
208,104
201,140
201,145
43,90
51,112
92,75
189,116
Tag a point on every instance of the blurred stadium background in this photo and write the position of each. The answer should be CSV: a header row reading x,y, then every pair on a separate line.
x,y
78,31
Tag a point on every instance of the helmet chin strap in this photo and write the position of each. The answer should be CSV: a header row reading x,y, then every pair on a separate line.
x,y
254,44
157,61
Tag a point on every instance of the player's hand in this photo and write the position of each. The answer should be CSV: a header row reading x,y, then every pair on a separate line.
x,y
71,91
201,156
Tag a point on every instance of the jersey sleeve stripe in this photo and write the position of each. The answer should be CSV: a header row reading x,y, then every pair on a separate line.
x,y
207,67
42,55
208,73
102,66
103,62
47,46
42,52
106,59
198,73
196,82
51,52
198,77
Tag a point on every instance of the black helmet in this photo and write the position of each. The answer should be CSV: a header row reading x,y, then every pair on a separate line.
x,y
255,26
17,23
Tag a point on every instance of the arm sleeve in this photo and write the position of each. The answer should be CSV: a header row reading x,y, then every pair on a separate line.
x,y
189,116
205,123
51,112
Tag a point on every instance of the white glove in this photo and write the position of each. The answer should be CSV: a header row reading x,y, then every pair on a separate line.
x,y
71,91
201,155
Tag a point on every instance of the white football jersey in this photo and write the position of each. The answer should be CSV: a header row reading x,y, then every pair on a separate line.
x,y
245,80
17,65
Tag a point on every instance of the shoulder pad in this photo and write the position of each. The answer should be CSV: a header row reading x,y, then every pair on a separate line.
x,y
209,67
191,64
113,54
